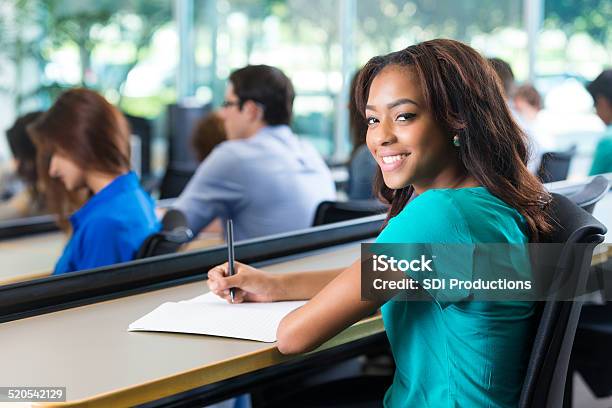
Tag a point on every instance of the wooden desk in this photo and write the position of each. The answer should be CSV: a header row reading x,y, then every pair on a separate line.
x,y
89,350
34,257
30,257
204,240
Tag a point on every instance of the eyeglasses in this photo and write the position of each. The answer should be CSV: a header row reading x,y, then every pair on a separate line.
x,y
227,104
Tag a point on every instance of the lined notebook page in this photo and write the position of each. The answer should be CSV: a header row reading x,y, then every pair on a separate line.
x,y
211,315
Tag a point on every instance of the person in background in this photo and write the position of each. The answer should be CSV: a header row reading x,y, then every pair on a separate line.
x,y
83,149
362,166
506,76
263,177
527,102
30,200
207,134
601,91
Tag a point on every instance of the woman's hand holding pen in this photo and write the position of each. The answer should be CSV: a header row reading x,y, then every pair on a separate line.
x,y
250,284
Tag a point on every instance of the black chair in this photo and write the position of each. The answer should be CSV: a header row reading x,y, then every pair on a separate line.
x,y
181,121
591,193
173,234
182,161
545,380
335,211
175,179
555,165
143,128
591,354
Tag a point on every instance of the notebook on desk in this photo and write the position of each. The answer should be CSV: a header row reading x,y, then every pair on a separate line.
x,y
208,314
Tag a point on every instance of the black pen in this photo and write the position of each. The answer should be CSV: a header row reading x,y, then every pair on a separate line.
x,y
229,231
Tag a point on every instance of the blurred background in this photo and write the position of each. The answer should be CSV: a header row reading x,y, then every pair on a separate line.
x,y
165,62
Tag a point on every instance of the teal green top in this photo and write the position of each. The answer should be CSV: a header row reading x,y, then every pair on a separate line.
x,y
602,160
458,354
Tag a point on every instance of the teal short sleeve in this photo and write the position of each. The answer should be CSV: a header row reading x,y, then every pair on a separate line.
x,y
432,225
602,159
451,353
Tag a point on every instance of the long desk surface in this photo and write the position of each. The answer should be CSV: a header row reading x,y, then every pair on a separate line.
x,y
32,257
89,350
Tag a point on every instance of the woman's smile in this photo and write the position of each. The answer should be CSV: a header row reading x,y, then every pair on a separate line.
x,y
390,162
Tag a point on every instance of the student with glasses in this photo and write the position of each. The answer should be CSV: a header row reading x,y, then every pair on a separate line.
x,y
263,177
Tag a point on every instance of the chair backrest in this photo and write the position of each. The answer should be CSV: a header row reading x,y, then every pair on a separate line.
x,y
173,234
555,165
175,179
544,384
181,120
143,128
591,193
335,211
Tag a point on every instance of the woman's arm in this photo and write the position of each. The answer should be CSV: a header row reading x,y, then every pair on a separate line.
x,y
337,306
335,300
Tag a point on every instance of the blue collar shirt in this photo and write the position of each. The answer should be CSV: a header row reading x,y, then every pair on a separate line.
x,y
110,227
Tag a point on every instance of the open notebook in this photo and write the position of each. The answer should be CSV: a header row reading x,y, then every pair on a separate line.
x,y
211,315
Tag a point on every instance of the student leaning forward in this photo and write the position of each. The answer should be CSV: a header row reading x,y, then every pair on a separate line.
x,y
84,157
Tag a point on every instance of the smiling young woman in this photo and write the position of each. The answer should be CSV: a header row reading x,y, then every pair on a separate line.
x,y
438,126
409,145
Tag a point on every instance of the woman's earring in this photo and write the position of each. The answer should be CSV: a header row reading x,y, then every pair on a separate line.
x,y
456,141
